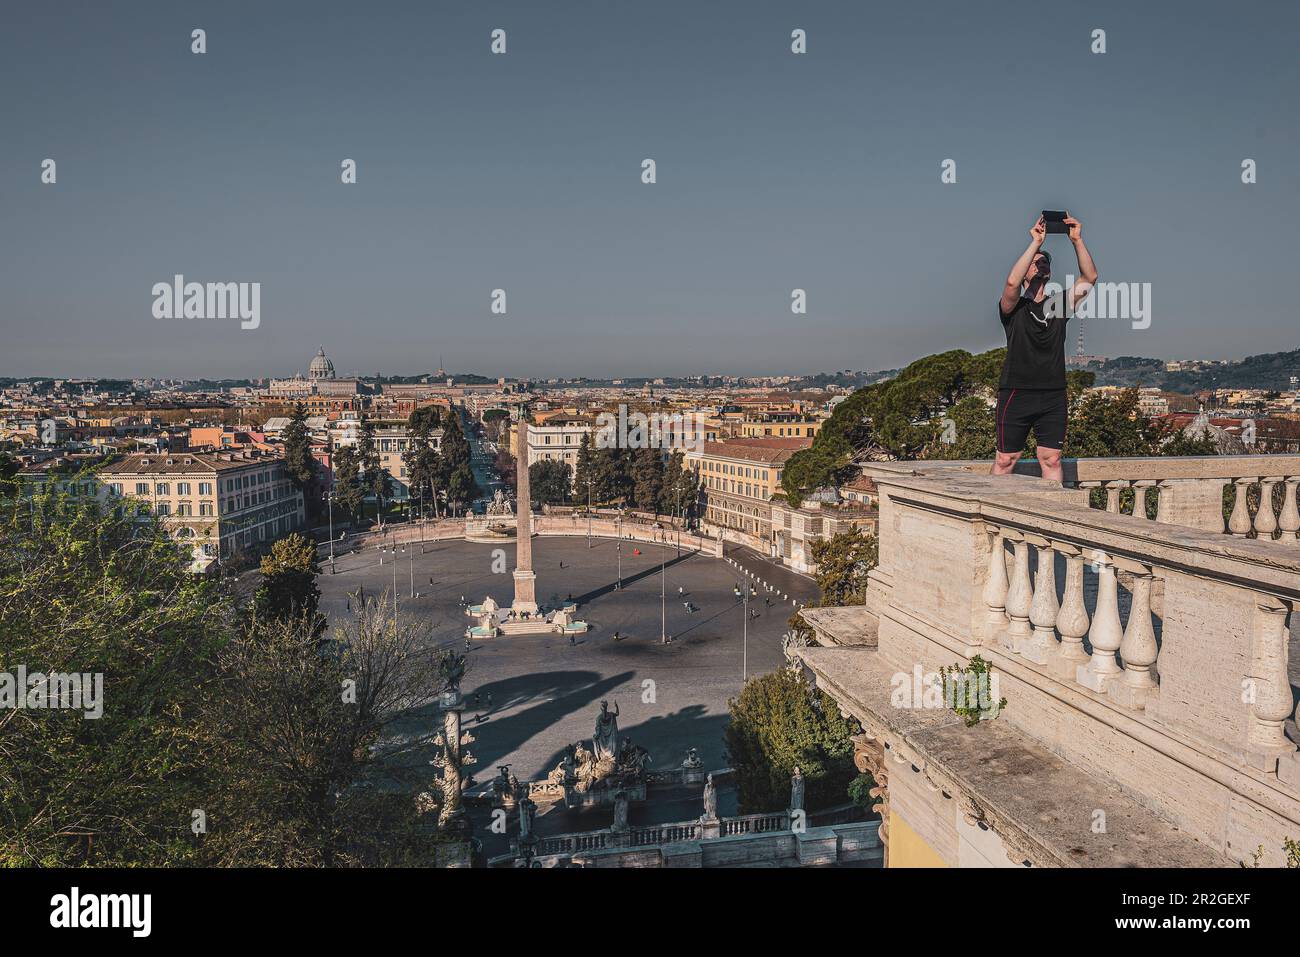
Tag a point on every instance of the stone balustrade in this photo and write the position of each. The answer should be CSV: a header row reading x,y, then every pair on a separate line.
x,y
1261,491
657,835
744,840
755,824
1151,656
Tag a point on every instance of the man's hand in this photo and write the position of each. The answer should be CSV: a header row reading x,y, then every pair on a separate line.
x,y
1076,228
1038,232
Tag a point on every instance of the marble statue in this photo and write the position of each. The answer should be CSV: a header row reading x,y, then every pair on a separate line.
x,y
633,757
710,799
604,740
500,505
796,790
527,811
620,811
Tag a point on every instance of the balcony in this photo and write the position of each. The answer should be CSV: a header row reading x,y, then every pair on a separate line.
x,y
1144,662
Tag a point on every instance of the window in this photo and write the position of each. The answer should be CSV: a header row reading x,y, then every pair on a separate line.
x,y
182,488
205,488
141,488
205,508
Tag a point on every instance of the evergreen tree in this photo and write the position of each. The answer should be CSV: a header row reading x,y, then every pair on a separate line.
x,y
348,493
375,479
422,459
680,490
298,451
461,488
779,722
549,481
647,479
584,469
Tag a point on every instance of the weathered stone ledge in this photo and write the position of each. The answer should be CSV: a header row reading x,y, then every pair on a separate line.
x,y
1041,806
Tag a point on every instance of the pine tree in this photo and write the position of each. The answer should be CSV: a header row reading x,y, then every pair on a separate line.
x,y
375,479
549,481
585,469
347,481
647,479
298,460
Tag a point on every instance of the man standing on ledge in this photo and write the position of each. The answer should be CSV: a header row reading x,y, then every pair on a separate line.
x,y
1031,393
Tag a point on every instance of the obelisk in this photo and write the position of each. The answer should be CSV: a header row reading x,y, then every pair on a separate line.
x,y
525,578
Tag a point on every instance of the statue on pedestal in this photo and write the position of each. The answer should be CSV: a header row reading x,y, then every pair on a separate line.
x,y
604,740
796,790
710,800
620,811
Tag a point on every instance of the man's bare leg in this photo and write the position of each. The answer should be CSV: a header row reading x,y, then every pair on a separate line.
x,y
1005,462
1049,460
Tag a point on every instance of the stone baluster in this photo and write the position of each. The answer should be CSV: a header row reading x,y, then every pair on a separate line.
x,y
995,589
1239,520
1140,496
1138,647
1268,690
1019,598
1105,633
1289,520
1265,520
1164,503
1043,607
1072,620
1112,495
1089,486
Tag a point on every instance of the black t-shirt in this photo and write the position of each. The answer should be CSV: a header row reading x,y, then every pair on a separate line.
x,y
1035,346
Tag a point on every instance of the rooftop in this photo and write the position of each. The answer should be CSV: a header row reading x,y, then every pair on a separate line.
x,y
188,463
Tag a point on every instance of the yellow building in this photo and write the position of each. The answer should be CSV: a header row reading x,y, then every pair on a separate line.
x,y
738,478
215,502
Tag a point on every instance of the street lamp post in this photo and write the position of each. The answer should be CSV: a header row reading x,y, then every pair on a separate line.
x,y
663,598
589,510
619,544
678,522
744,608
394,564
329,498
421,518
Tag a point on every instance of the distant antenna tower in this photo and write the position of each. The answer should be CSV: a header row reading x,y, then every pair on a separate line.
x,y
1080,337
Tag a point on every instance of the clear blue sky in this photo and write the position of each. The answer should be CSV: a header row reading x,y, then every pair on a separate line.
x,y
523,172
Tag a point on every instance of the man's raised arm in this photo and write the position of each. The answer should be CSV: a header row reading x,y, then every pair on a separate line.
x,y
1016,278
1087,270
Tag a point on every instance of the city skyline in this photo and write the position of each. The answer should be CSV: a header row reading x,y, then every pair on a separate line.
x,y
775,171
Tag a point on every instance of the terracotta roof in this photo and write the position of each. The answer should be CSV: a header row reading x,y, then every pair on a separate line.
x,y
770,450
862,483
187,463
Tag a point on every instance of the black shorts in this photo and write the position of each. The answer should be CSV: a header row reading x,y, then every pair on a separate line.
x,y
1019,410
